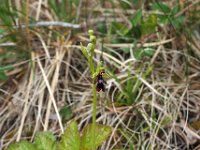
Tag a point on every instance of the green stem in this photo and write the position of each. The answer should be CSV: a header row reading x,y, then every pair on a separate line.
x,y
94,115
89,53
94,107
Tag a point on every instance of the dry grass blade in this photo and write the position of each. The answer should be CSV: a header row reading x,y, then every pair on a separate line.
x,y
52,99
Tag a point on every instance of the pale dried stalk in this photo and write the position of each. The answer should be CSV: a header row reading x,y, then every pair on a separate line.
x,y
52,99
26,106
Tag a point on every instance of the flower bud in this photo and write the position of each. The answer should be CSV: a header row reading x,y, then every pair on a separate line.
x,y
93,39
91,32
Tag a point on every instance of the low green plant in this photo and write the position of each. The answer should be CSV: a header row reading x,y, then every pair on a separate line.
x,y
70,140
131,87
65,9
3,75
65,113
10,55
169,15
143,52
141,26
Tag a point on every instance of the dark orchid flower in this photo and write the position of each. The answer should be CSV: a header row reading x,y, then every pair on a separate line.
x,y
100,82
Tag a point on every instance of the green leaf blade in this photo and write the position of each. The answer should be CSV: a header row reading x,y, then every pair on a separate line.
x,y
138,53
137,17
65,113
3,76
149,26
22,145
119,28
70,140
162,7
149,51
102,132
45,141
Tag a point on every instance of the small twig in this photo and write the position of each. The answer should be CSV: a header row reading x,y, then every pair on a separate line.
x,y
7,44
125,45
51,23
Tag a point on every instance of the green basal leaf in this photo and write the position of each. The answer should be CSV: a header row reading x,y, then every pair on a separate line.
x,y
120,28
3,76
149,25
163,19
138,53
102,132
101,27
162,7
175,10
65,113
137,17
45,141
126,50
70,140
22,145
148,51
178,21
